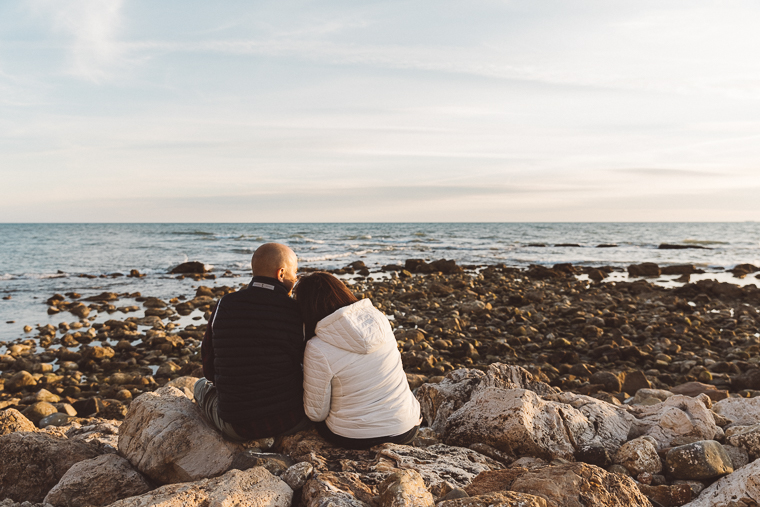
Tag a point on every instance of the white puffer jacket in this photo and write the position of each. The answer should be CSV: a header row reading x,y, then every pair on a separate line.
x,y
353,377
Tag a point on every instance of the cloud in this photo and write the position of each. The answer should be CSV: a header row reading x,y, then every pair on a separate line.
x,y
91,27
668,172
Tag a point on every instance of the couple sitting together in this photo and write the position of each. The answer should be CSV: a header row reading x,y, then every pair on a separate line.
x,y
273,365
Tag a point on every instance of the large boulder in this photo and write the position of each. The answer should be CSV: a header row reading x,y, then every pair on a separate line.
x,y
741,486
255,487
11,421
32,463
677,416
166,437
698,461
521,423
500,499
580,485
98,481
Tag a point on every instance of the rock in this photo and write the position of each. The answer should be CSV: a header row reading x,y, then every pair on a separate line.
x,y
741,411
57,419
668,246
698,461
39,411
594,455
498,499
678,416
19,381
103,435
668,495
694,389
579,484
404,488
739,457
454,494
439,401
494,480
519,422
679,269
439,464
11,421
634,381
166,437
34,462
275,463
336,489
98,481
644,396
415,380
188,268
41,395
639,455
609,380
297,475
746,437
254,487
184,384
646,269
749,379
741,486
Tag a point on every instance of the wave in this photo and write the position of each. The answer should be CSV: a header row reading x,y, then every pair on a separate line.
x,y
328,257
243,250
192,233
704,242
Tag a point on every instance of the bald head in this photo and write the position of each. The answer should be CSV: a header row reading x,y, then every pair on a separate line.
x,y
275,261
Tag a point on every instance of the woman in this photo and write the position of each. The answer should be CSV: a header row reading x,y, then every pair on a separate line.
x,y
355,388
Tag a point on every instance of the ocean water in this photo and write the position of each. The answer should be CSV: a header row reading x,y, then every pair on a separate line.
x,y
38,260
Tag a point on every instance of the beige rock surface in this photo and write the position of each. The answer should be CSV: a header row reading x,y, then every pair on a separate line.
x,y
11,421
637,456
497,499
677,416
166,437
96,482
404,488
741,411
254,487
580,485
32,463
747,438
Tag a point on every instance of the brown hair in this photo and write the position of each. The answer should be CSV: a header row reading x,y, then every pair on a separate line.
x,y
320,294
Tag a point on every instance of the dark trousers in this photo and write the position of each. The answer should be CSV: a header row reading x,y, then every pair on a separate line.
x,y
364,443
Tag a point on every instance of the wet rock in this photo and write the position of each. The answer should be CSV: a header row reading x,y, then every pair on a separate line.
x,y
39,411
255,487
634,381
19,381
34,462
698,461
639,455
166,437
404,488
11,421
57,419
579,484
98,481
678,416
741,486
646,270
188,268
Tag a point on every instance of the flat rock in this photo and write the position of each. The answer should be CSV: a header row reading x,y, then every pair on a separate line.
x,y
11,421
579,484
678,416
34,462
254,487
702,460
166,437
741,486
98,481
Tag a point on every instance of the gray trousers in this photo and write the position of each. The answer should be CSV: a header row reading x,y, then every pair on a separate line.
x,y
207,398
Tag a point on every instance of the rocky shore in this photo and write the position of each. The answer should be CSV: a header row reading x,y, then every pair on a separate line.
x,y
539,386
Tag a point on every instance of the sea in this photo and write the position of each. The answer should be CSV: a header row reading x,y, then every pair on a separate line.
x,y
39,260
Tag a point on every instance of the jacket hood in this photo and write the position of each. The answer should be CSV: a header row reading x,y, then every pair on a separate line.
x,y
359,328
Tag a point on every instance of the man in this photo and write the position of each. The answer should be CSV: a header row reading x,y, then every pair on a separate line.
x,y
252,354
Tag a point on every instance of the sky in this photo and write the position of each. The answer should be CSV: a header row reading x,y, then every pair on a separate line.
x,y
381,111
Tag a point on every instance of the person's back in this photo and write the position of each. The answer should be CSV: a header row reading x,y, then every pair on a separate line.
x,y
355,388
252,353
